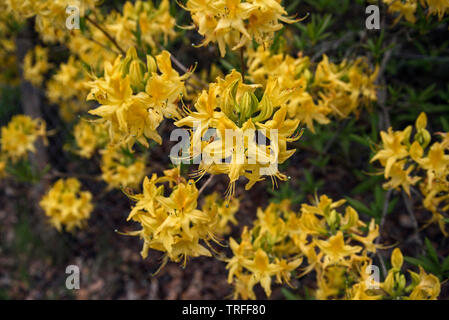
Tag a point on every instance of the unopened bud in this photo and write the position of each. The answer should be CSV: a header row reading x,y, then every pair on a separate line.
x,y
136,71
151,64
248,105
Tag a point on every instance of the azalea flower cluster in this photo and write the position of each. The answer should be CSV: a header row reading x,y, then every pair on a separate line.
x,y
90,48
135,98
50,15
333,245
423,286
225,212
230,105
67,88
332,89
236,23
66,205
174,224
120,168
407,8
405,162
35,65
155,24
19,137
89,137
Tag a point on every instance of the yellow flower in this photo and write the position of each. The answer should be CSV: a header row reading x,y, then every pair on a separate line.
x,y
35,65
436,163
359,291
436,7
335,249
66,205
135,117
225,211
369,240
120,168
393,148
19,136
236,23
172,224
262,270
428,287
243,287
233,112
89,136
400,177
332,89
405,9
397,259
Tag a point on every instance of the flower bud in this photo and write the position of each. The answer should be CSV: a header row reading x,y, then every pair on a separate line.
x,y
421,122
151,65
136,70
423,137
248,105
131,55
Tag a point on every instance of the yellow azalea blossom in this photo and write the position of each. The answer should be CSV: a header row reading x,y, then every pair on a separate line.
x,y
335,249
436,7
172,224
359,291
436,163
67,88
225,210
404,9
89,137
394,148
66,205
283,241
331,90
50,15
35,65
133,116
121,169
156,23
409,163
401,178
19,136
262,270
231,110
428,287
235,23
423,286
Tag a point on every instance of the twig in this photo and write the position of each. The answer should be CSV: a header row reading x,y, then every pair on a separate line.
x,y
408,206
185,69
242,63
382,93
382,264
331,45
57,174
101,45
381,225
114,42
384,214
208,181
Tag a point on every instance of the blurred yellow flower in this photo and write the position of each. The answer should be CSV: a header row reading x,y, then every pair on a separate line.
x,y
66,205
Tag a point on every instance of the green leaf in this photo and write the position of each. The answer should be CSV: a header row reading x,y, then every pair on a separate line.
x,y
425,262
445,264
227,65
359,206
289,295
431,251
